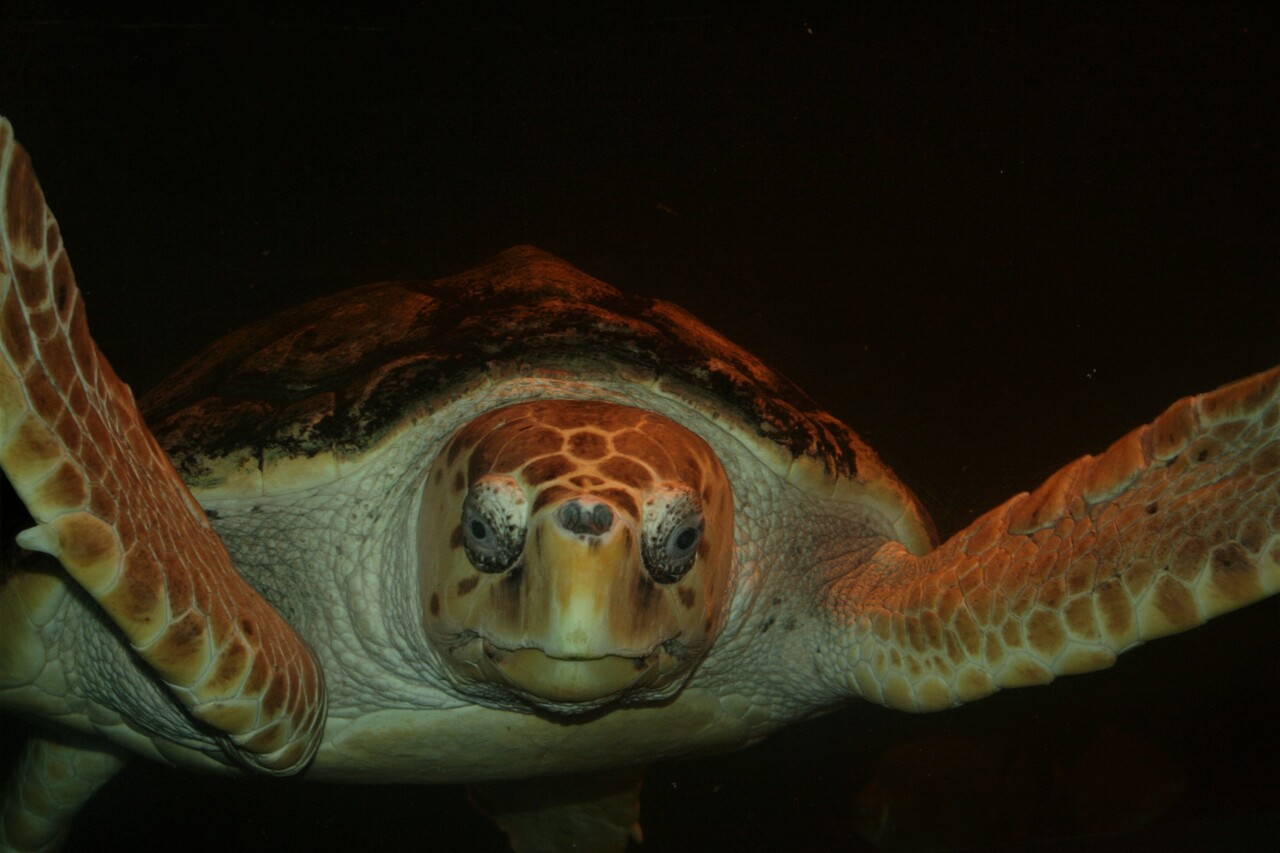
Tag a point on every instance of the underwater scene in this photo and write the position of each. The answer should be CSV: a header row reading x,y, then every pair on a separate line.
x,y
990,242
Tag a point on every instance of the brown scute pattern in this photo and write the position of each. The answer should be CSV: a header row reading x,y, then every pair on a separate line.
x,y
110,506
534,442
355,365
588,444
567,593
546,469
527,444
552,494
1175,524
624,501
632,473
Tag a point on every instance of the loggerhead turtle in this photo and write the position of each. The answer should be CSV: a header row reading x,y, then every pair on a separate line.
x,y
514,524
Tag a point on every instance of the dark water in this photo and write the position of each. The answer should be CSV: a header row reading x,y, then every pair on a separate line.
x,y
991,243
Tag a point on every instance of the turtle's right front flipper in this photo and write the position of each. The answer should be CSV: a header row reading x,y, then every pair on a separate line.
x,y
109,505
1178,522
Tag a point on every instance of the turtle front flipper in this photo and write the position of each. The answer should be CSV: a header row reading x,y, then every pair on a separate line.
x,y
109,505
1178,522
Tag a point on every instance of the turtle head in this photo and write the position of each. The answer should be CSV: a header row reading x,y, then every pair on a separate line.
x,y
575,554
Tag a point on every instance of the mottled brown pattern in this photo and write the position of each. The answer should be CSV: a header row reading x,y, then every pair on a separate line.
x,y
634,474
529,441
86,543
115,512
551,494
66,487
276,696
471,434
634,442
547,468
1165,529
137,596
13,329
272,738
24,208
181,644
522,310
230,666
260,672
623,500
588,444
578,594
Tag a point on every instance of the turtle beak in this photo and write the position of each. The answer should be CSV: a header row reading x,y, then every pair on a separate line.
x,y
582,640
571,680
583,550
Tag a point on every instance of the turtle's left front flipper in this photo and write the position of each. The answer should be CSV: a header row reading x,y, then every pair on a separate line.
x,y
111,508
1178,522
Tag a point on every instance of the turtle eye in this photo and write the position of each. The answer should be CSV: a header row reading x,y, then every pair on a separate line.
x,y
672,530
494,516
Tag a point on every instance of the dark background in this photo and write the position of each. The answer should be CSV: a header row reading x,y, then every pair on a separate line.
x,y
990,239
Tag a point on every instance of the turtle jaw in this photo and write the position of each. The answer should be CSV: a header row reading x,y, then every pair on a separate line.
x,y
577,681
574,555
569,685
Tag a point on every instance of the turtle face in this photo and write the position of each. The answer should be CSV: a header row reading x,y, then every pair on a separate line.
x,y
575,553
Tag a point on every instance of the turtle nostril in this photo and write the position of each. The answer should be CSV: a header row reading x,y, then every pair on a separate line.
x,y
585,518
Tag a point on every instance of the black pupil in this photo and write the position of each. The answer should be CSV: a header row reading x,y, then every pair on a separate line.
x,y
478,529
686,538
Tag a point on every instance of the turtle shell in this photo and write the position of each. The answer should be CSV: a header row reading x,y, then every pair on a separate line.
x,y
340,374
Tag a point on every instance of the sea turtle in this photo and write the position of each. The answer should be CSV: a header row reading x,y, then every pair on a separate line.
x,y
514,524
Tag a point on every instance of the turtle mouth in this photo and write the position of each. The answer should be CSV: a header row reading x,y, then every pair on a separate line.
x,y
571,679
556,681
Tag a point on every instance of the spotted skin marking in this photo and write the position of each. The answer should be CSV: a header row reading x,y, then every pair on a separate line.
x,y
593,587
110,507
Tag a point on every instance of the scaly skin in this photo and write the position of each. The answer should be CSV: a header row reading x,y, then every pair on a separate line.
x,y
104,495
1178,522
54,779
